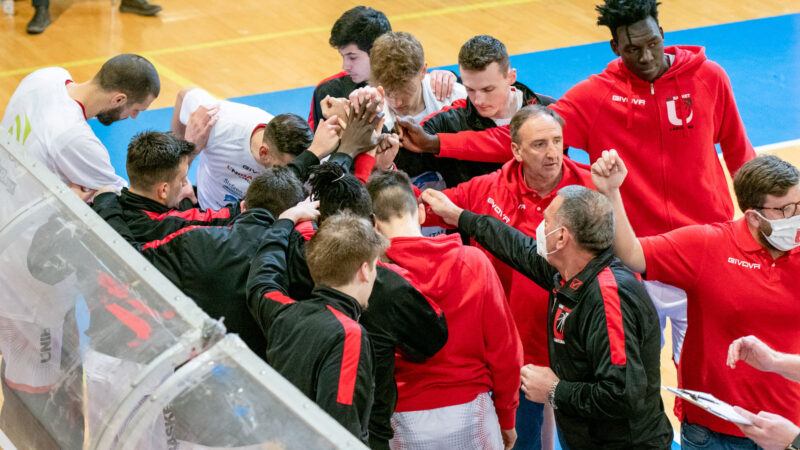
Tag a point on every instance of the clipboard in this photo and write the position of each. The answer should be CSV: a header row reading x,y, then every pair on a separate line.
x,y
710,403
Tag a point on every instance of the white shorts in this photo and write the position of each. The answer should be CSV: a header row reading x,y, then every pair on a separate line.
x,y
470,425
670,302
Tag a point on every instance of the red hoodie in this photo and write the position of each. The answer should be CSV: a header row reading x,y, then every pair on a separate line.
x,y
665,131
483,352
505,195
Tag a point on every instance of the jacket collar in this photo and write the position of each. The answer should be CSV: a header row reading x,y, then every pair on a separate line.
x,y
574,287
339,301
478,122
129,200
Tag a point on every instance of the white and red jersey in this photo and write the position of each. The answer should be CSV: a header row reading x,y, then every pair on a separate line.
x,y
51,126
226,166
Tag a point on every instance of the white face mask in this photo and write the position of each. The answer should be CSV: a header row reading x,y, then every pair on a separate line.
x,y
541,241
785,232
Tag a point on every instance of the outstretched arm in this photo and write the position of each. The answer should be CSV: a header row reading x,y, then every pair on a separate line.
x,y
267,283
510,245
608,173
753,351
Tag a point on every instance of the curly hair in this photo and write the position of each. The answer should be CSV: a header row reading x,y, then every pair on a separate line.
x,y
338,191
620,13
361,26
395,59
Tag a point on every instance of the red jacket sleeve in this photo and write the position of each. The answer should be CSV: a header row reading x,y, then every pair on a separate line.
x,y
503,346
490,145
459,195
363,166
729,133
578,107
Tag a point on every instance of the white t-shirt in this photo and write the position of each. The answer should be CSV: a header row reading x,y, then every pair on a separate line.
x,y
518,95
428,180
431,103
226,166
51,127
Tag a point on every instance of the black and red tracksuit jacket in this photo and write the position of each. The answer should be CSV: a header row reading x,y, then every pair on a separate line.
x,y
461,116
604,341
399,318
337,86
148,220
317,344
210,265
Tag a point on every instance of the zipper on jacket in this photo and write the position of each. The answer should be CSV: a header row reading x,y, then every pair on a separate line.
x,y
653,88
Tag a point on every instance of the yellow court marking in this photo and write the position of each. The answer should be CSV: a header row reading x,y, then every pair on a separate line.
x,y
166,72
276,35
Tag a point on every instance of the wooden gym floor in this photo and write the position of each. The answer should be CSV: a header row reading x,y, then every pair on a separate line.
x,y
249,47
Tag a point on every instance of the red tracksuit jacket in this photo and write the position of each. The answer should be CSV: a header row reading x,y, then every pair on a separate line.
x,y
665,131
483,351
504,194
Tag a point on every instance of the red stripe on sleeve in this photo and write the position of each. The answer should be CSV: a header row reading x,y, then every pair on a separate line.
x,y
160,242
460,103
192,214
306,229
350,357
616,332
278,297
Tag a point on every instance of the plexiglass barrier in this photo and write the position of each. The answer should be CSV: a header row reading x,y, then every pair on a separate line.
x,y
100,351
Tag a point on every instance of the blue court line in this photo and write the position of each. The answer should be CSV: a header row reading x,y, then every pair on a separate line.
x,y
761,56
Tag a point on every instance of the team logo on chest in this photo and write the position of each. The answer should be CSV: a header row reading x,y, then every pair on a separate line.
x,y
679,110
558,323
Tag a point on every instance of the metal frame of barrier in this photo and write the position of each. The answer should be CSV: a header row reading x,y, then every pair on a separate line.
x,y
201,343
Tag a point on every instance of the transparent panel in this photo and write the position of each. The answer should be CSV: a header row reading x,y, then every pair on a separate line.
x,y
228,397
81,331
100,351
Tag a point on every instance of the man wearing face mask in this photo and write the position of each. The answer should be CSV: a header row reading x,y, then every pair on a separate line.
x,y
604,377
517,194
48,116
740,278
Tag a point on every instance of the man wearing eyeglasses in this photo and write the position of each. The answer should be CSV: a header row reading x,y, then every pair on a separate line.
x,y
740,278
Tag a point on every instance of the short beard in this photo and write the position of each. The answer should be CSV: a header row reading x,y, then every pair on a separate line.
x,y
109,116
765,229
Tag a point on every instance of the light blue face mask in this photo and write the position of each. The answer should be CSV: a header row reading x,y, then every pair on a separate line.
x,y
785,232
541,241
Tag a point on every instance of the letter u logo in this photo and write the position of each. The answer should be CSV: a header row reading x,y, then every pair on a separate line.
x,y
672,114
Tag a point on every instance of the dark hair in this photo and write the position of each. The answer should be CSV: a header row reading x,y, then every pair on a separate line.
x,y
338,191
276,190
288,133
130,74
525,113
154,157
392,194
588,215
342,244
766,174
480,51
361,26
620,13
395,60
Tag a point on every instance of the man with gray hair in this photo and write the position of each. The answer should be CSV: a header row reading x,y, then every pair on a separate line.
x,y
603,336
517,193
